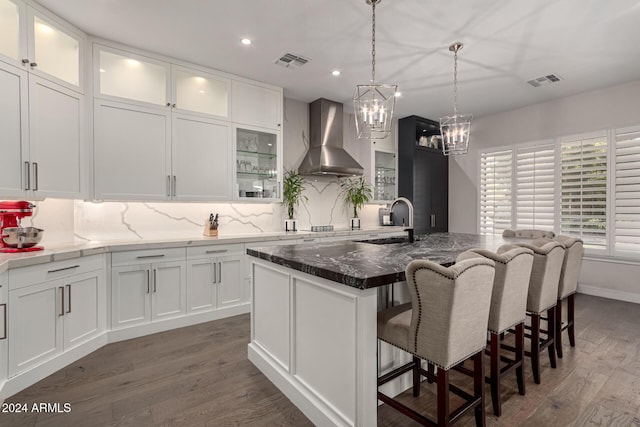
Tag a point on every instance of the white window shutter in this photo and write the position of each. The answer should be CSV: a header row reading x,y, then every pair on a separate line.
x,y
535,187
627,192
495,191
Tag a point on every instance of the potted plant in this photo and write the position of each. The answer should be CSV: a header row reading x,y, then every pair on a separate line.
x,y
291,195
356,192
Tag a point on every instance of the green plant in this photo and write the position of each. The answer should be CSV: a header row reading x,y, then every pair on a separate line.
x,y
356,192
292,191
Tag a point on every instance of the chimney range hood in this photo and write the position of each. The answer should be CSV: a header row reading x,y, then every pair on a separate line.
x,y
326,155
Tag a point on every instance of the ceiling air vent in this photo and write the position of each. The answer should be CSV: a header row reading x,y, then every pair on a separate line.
x,y
549,78
290,60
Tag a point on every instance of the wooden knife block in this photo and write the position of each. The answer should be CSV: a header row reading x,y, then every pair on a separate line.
x,y
211,232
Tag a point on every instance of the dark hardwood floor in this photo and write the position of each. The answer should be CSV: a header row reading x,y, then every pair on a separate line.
x,y
200,376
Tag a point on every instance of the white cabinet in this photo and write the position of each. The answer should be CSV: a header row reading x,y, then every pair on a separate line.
x,y
383,174
53,308
198,92
14,143
3,327
147,286
258,163
215,277
256,105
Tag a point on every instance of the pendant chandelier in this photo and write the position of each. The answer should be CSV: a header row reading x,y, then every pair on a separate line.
x,y
455,129
373,103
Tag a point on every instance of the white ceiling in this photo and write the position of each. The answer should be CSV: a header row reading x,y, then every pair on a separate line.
x,y
590,43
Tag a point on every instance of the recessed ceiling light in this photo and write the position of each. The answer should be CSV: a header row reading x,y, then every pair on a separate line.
x,y
245,41
102,70
397,94
335,72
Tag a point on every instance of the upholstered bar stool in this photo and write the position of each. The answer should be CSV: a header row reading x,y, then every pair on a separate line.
x,y
567,288
445,324
548,257
508,309
529,234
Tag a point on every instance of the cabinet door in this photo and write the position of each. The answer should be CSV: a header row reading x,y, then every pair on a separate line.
x,y
132,152
198,92
201,159
13,130
13,36
55,51
35,330
83,313
3,327
168,296
231,287
130,301
258,163
256,105
202,278
439,167
56,122
384,175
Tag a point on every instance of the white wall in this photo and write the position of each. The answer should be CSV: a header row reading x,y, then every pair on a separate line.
x,y
617,106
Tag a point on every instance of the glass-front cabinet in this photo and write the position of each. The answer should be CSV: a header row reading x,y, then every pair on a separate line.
x,y
258,163
384,175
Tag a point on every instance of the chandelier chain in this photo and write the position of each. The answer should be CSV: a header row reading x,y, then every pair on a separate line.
x,y
373,42
455,81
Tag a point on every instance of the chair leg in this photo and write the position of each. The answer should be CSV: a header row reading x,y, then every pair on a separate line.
x,y
520,357
478,386
558,328
535,347
551,331
570,320
431,368
416,376
443,397
494,357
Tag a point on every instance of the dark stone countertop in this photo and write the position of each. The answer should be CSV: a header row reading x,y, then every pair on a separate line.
x,y
365,265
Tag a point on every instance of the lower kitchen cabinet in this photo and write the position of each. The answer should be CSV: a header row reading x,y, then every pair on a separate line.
x,y
3,327
215,277
49,317
146,289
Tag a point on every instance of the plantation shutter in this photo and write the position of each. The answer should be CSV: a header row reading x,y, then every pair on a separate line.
x,y
627,192
584,190
495,191
535,186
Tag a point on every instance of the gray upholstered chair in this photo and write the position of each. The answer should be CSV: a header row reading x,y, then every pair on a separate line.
x,y
529,234
445,324
508,309
574,249
548,257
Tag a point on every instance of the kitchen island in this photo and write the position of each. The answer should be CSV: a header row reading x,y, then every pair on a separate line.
x,y
313,318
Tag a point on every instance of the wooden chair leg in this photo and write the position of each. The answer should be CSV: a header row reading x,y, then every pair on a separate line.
x,y
535,347
443,397
494,357
570,320
478,386
551,331
558,328
416,376
519,356
431,368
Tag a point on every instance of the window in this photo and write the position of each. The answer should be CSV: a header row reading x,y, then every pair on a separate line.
x,y
495,192
627,191
583,199
535,186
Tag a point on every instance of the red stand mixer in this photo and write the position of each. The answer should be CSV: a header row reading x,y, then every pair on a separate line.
x,y
14,238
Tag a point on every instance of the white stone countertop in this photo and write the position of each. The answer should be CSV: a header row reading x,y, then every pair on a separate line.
x,y
63,251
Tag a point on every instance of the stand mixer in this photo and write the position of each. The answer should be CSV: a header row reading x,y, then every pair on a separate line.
x,y
13,237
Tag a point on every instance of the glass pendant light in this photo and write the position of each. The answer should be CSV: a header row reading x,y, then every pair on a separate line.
x,y
455,129
373,103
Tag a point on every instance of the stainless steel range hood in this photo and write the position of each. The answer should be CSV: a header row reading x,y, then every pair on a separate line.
x,y
326,155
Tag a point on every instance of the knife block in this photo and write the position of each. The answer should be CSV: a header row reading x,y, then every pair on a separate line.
x,y
211,232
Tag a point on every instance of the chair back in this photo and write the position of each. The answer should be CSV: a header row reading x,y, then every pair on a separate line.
x,y
548,256
528,233
510,286
574,250
450,309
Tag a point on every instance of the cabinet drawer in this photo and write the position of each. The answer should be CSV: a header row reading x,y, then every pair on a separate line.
x,y
147,256
214,250
26,276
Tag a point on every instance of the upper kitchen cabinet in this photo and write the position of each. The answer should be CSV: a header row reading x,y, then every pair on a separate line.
x,y
258,163
198,92
42,44
256,105
383,174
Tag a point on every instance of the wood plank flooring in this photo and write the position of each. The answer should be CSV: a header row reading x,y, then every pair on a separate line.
x,y
200,376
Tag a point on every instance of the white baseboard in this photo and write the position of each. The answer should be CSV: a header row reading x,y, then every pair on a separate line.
x,y
609,293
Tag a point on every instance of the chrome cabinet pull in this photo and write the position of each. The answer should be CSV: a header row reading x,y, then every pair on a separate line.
x,y
4,328
155,274
215,273
168,104
217,251
148,281
149,256
27,173
61,301
35,176
25,60
219,272
33,64
63,269
308,240
168,185
69,298
174,186
433,220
